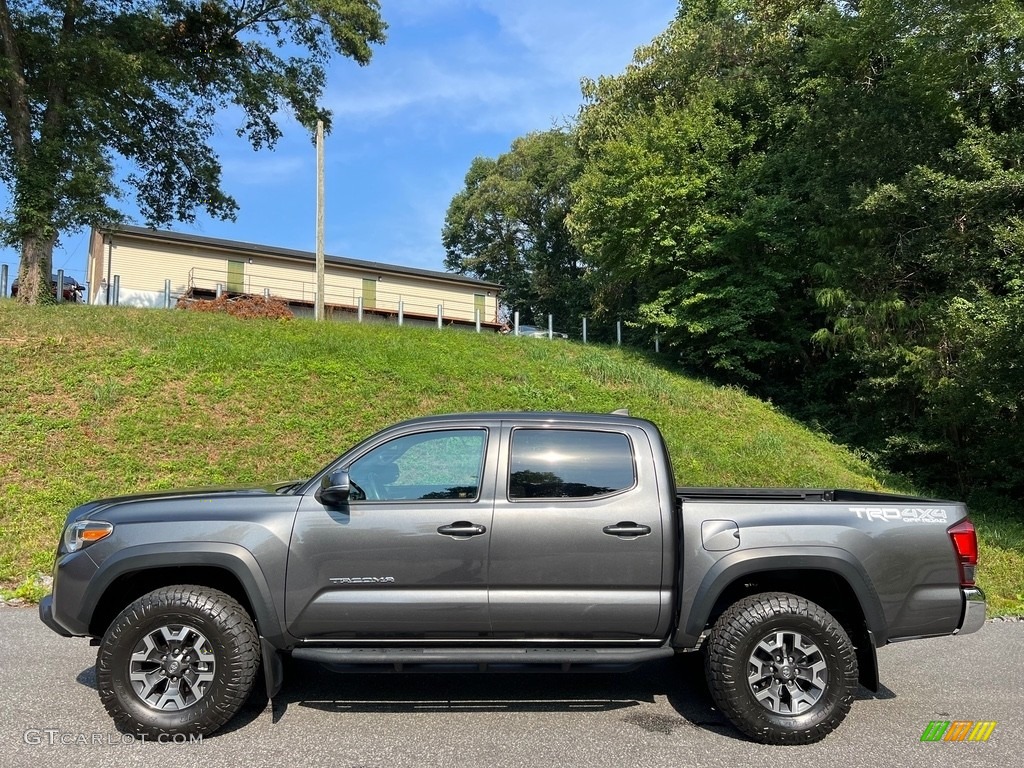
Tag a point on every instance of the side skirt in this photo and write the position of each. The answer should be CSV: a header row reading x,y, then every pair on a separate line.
x,y
502,659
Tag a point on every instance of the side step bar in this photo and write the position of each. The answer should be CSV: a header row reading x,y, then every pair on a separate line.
x,y
480,659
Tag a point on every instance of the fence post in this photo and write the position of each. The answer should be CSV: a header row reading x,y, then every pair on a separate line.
x,y
618,332
167,294
60,286
657,342
401,312
584,330
476,314
515,322
440,315
117,290
266,294
3,281
359,309
551,326
220,290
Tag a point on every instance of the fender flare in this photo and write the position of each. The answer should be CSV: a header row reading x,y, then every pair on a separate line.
x,y
233,558
736,565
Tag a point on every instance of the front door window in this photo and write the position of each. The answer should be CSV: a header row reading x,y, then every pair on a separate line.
x,y
421,467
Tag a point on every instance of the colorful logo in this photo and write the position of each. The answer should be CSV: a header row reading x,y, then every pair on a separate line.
x,y
958,730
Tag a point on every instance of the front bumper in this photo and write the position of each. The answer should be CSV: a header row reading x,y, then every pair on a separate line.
x,y
974,611
46,615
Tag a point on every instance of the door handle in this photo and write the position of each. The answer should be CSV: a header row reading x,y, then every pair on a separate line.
x,y
462,529
627,529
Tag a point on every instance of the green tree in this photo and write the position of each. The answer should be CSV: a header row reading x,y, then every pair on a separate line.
x,y
89,85
673,206
775,173
508,225
923,103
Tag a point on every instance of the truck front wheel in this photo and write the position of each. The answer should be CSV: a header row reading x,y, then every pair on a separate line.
x,y
781,668
179,660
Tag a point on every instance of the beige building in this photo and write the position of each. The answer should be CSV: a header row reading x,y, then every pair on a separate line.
x,y
152,268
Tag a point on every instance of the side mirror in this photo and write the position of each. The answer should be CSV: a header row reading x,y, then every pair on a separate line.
x,y
334,489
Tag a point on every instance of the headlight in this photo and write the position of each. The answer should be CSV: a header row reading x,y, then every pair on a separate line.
x,y
85,532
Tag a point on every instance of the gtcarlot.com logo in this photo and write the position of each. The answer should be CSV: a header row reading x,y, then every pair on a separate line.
x,y
958,730
54,737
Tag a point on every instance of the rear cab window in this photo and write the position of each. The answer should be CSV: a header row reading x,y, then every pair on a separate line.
x,y
569,464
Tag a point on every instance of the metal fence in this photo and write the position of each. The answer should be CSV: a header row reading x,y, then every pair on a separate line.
x,y
618,332
65,287
346,304
344,299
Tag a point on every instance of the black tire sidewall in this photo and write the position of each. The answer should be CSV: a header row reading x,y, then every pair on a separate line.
x,y
152,611
825,708
733,640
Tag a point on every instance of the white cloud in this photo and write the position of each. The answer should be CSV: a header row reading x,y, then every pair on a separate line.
x,y
524,77
576,39
264,168
424,83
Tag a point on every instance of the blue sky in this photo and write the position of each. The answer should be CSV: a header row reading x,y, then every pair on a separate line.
x,y
456,79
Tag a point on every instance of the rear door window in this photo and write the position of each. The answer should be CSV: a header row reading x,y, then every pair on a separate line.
x,y
569,463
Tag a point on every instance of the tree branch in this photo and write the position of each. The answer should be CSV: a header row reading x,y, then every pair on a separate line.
x,y
57,89
15,104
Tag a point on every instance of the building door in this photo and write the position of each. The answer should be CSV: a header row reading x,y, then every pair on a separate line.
x,y
369,293
480,305
236,277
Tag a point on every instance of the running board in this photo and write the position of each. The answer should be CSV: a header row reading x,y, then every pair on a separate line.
x,y
479,659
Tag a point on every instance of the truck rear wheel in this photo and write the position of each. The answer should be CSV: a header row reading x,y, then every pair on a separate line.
x,y
781,668
179,660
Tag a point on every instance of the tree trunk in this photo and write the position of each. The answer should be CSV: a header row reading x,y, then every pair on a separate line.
x,y
34,273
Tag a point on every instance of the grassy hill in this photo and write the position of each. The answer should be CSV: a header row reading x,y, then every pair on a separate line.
x,y
101,401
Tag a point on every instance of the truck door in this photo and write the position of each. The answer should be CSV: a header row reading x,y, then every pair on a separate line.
x,y
406,557
576,547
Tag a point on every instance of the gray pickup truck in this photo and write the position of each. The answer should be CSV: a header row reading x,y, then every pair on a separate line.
x,y
502,540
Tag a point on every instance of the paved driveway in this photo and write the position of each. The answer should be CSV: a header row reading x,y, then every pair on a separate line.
x,y
661,715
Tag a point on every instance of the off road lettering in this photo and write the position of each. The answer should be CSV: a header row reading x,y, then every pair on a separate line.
x,y
898,515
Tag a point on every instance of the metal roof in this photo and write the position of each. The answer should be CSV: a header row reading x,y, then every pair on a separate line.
x,y
288,253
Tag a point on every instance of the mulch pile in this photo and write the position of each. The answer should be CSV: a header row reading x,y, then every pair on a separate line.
x,y
240,306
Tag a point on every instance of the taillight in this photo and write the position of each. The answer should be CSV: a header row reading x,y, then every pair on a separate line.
x,y
965,544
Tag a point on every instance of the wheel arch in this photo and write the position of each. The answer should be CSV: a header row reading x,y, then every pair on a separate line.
x,y
830,579
135,571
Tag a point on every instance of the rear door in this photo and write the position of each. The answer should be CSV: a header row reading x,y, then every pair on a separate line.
x,y
576,547
407,556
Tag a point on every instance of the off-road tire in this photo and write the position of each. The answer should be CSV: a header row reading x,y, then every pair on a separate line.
x,y
219,646
823,677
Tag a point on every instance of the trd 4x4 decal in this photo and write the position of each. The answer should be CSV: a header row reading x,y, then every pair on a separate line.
x,y
897,515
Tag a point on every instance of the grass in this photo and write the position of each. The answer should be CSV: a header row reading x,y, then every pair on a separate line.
x,y
101,401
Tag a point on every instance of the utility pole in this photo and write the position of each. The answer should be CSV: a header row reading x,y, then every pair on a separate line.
x,y
318,311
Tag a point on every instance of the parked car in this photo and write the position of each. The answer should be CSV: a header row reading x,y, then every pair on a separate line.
x,y
537,332
73,290
508,541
